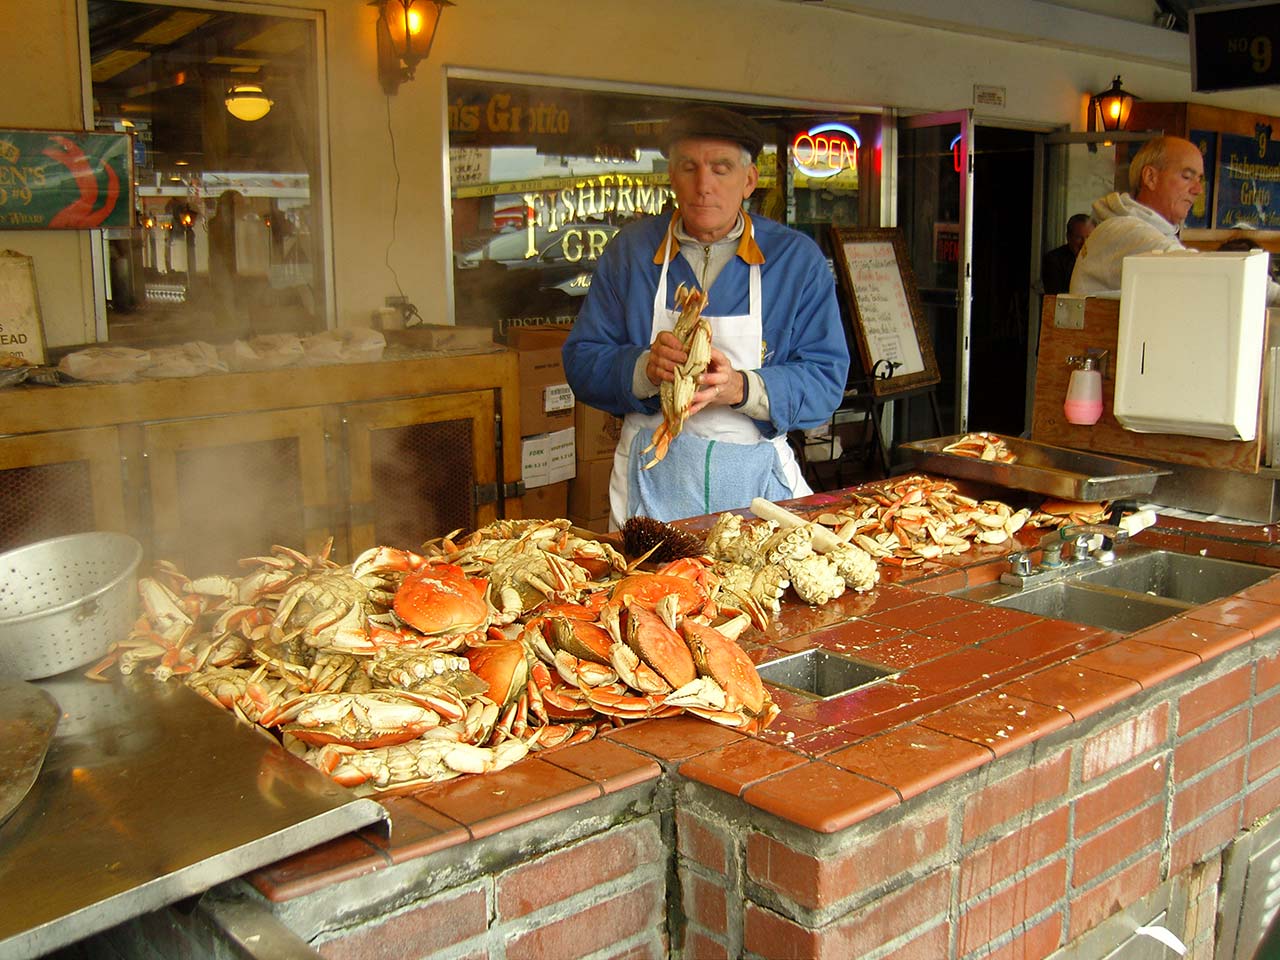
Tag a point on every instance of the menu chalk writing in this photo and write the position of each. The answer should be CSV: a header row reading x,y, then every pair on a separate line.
x,y
882,307
885,314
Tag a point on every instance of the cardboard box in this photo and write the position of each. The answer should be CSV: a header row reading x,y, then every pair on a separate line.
x,y
547,458
589,489
549,502
596,432
546,402
594,524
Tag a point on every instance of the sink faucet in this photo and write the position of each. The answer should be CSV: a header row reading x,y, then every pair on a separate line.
x,y
1112,535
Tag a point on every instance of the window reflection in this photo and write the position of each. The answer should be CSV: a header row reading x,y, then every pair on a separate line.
x,y
542,178
226,241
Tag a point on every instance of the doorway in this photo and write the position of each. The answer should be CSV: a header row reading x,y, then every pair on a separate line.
x,y
972,223
1003,228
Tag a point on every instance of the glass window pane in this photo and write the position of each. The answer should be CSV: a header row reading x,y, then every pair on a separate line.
x,y
227,240
542,178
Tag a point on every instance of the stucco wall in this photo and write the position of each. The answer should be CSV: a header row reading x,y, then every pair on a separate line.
x,y
762,48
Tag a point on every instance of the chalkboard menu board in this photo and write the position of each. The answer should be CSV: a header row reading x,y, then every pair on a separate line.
x,y
889,326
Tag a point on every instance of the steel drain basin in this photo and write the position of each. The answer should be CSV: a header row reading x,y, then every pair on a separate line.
x,y
819,673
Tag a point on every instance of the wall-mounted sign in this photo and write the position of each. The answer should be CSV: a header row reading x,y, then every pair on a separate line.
x,y
1249,181
65,180
1235,46
824,150
1201,214
946,243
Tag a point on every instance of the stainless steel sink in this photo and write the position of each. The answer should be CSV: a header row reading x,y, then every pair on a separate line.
x,y
1139,588
1071,600
1178,576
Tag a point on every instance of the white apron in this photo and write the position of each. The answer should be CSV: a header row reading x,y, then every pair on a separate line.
x,y
740,339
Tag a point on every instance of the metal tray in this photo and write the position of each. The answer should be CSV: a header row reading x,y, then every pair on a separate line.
x,y
1040,468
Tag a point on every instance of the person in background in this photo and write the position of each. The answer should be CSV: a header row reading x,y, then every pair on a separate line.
x,y
1166,176
1057,264
779,358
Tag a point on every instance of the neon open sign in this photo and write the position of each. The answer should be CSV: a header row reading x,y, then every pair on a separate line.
x,y
824,150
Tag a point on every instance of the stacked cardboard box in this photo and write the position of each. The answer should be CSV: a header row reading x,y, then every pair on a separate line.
x,y
595,437
546,421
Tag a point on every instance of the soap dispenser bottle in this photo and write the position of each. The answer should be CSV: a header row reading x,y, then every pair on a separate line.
x,y
1084,391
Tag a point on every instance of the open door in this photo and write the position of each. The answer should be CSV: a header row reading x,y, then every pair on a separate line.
x,y
935,206
1072,170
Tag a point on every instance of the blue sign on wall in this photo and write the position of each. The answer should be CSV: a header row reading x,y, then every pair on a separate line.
x,y
1202,213
1249,181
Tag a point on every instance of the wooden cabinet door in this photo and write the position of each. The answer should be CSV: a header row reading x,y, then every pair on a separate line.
x,y
414,466
223,488
53,484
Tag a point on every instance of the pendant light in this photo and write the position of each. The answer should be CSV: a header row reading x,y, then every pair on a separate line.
x,y
248,102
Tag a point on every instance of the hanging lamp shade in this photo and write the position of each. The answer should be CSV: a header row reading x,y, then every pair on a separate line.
x,y
248,102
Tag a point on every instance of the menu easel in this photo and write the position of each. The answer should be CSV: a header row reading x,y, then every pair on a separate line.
x,y
888,321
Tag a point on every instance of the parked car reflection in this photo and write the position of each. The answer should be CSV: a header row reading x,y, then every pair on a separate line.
x,y
576,244
543,273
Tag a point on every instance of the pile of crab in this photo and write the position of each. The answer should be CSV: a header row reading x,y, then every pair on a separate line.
x,y
918,518
403,668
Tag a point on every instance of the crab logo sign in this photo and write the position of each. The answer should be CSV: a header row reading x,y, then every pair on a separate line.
x,y
824,150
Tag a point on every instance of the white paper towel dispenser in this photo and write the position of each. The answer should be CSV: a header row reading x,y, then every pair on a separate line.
x,y
1189,352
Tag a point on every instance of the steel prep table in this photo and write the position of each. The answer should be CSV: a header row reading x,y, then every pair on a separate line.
x,y
149,795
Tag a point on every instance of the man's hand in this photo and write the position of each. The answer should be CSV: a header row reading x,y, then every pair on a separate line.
x,y
720,385
665,354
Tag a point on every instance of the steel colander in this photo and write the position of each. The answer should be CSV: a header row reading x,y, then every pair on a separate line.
x,y
63,601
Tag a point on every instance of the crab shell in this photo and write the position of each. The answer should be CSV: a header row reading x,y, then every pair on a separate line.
x,y
658,645
439,599
582,638
504,666
722,660
646,589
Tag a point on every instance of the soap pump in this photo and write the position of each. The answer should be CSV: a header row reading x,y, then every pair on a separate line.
x,y
1084,391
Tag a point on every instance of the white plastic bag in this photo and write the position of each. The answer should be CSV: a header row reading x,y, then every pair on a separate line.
x,y
114,364
267,352
348,345
183,360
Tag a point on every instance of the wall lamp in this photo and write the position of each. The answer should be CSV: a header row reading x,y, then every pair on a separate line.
x,y
1110,109
406,29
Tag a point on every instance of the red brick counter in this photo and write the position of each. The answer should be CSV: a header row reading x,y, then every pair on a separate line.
x,y
1019,786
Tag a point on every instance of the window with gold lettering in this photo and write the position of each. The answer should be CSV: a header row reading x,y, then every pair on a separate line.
x,y
543,176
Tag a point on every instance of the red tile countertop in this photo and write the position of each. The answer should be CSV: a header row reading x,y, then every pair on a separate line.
x,y
970,683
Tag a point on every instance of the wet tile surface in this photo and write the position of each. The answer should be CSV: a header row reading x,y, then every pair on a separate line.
x,y
970,683
1073,688
998,721
1144,662
911,759
734,767
1204,638
821,797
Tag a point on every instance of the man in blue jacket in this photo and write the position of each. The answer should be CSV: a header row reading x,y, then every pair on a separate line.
x,y
779,359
